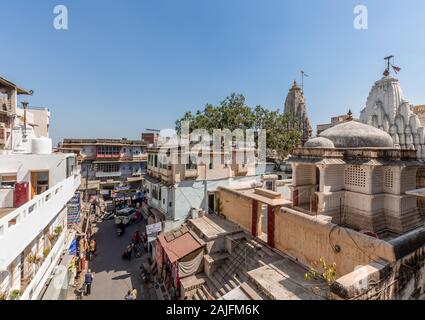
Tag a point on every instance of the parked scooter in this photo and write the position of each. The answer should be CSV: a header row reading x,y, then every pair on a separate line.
x,y
108,216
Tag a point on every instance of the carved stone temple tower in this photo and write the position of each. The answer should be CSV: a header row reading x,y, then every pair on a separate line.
x,y
295,104
387,109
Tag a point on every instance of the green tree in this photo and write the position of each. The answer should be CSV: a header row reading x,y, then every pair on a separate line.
x,y
232,113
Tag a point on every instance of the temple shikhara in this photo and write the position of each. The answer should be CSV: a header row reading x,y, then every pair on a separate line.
x,y
387,109
295,104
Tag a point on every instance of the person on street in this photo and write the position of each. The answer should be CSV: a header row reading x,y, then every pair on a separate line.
x,y
93,247
128,296
134,293
128,252
88,280
136,237
79,293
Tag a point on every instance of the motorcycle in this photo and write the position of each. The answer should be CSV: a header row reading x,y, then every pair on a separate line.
x,y
120,230
128,252
138,250
108,216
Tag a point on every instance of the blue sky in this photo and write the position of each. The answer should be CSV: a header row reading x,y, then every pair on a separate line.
x,y
124,66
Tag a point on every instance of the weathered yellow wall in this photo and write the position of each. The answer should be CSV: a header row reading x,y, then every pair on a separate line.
x,y
310,238
236,208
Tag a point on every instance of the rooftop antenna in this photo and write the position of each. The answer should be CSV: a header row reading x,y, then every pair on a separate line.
x,y
303,75
25,106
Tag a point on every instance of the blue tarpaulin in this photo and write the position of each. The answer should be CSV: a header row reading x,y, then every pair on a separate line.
x,y
73,247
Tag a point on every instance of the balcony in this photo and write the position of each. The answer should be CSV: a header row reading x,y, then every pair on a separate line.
x,y
116,174
101,156
35,283
33,217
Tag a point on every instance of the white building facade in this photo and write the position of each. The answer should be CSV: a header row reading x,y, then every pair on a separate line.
x,y
177,191
35,188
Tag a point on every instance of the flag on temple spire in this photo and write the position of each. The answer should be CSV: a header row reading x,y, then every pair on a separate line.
x,y
396,69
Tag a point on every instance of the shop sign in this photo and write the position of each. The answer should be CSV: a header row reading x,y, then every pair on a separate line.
x,y
155,228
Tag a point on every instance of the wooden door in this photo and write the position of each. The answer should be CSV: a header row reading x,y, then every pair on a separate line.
x,y
270,226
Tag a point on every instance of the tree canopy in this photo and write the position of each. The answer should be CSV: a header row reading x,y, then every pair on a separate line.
x,y
283,133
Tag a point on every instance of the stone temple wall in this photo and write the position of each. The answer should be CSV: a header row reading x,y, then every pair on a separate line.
x,y
387,109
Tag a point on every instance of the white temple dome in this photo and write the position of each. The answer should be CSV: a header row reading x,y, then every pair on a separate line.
x,y
353,134
319,142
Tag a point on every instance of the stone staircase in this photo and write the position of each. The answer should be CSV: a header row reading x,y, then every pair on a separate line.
x,y
233,273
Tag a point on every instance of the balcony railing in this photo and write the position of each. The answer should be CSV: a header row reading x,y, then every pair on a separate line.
x,y
39,277
108,174
32,217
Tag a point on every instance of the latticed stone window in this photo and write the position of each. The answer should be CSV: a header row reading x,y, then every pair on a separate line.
x,y
355,176
388,178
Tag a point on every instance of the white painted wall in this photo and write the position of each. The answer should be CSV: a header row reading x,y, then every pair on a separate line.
x,y
23,164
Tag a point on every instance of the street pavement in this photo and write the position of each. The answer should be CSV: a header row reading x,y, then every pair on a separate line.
x,y
112,275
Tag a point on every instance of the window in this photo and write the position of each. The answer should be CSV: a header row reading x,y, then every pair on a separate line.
x,y
155,192
8,181
108,167
108,151
388,178
191,165
211,166
163,162
355,176
70,166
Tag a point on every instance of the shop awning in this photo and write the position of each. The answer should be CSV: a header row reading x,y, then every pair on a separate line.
x,y
135,179
152,180
157,213
179,247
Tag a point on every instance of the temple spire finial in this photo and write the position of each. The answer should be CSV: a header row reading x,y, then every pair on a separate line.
x,y
388,65
303,75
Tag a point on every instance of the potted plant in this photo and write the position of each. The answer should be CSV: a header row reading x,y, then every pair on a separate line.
x,y
15,294
46,251
31,258
58,230
35,259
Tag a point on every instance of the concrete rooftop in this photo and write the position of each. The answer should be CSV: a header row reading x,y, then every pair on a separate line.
x,y
284,280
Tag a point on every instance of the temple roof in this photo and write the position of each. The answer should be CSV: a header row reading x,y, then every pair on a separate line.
x,y
319,142
353,134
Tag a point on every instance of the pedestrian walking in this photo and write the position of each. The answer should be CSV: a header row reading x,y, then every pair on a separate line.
x,y
92,248
88,280
134,293
79,293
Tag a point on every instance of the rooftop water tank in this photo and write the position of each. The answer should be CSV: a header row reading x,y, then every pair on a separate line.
x,y
41,146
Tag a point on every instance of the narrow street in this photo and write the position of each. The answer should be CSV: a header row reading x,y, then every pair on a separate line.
x,y
114,276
